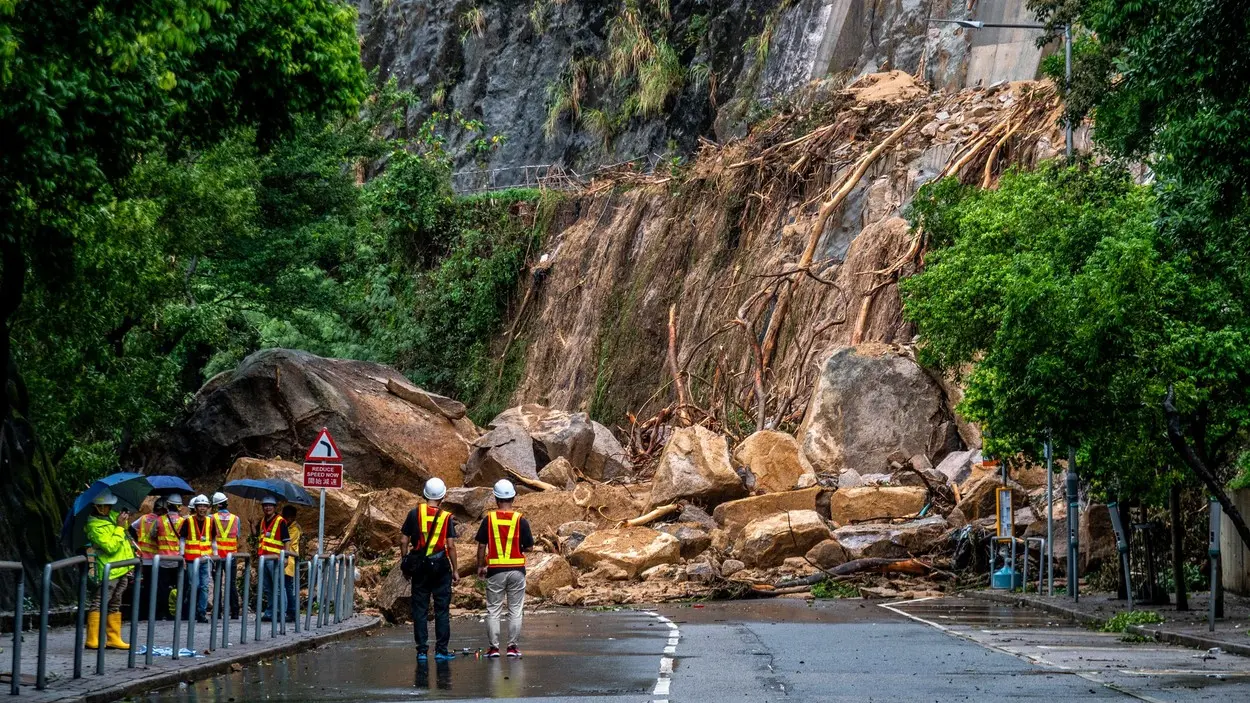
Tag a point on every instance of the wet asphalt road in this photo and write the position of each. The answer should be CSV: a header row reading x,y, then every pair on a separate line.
x,y
780,650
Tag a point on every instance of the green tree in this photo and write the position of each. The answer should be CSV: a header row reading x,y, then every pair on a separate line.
x,y
1078,316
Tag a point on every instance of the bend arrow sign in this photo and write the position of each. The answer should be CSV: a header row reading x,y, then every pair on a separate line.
x,y
323,464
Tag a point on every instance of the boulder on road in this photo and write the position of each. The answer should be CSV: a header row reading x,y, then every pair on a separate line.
x,y
774,459
500,453
555,433
694,539
1097,538
394,598
769,541
870,402
604,505
734,515
828,554
607,459
695,466
469,504
729,567
545,573
627,550
891,541
276,402
847,506
570,534
559,473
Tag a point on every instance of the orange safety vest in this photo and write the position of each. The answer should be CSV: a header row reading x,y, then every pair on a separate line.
x,y
147,536
270,537
439,518
503,543
167,528
199,542
227,534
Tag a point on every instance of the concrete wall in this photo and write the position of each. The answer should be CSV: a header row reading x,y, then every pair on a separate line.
x,y
1235,556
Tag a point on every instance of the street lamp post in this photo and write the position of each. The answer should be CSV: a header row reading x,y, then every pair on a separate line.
x,y
1067,60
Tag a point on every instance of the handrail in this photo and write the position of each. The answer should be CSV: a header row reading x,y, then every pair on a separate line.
x,y
247,584
179,564
193,598
104,599
19,610
41,676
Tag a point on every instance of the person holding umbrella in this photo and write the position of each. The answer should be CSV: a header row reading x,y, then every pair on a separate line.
x,y
106,533
272,535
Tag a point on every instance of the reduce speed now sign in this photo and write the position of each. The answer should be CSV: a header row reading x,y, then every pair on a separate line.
x,y
323,465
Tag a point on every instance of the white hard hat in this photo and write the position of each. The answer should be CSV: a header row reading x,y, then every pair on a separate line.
x,y
504,490
174,499
201,499
268,500
219,498
106,497
434,489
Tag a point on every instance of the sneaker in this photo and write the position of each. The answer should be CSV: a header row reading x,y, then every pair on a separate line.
x,y
444,656
513,651
422,656
492,653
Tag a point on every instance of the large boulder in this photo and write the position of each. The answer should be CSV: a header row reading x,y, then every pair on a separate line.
x,y
850,505
957,466
771,540
546,573
394,597
276,402
555,433
607,459
695,466
571,534
694,539
469,503
980,500
1097,538
559,473
885,540
774,459
505,452
626,550
735,514
603,505
828,554
870,402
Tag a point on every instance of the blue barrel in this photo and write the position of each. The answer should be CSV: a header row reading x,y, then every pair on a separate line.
x,y
1006,579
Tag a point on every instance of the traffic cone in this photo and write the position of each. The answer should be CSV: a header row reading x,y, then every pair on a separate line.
x,y
115,632
93,629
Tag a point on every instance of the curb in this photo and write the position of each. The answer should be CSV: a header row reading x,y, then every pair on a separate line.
x,y
1185,640
164,679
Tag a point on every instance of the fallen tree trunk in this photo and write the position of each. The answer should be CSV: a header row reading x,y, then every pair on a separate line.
x,y
531,482
652,516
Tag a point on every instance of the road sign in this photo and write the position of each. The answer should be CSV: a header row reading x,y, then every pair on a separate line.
x,y
323,468
323,475
324,450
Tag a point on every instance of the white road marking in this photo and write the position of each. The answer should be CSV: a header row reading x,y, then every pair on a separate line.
x,y
664,680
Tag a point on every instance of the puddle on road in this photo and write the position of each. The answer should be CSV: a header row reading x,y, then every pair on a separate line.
x,y
567,653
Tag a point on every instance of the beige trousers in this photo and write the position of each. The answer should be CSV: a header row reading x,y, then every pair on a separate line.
x,y
509,584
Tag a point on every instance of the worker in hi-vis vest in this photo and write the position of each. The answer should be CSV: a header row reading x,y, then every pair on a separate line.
x,y
272,537
502,541
429,530
169,548
106,532
143,530
197,540
226,529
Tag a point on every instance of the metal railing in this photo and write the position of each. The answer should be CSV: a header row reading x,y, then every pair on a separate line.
x,y
19,607
45,603
331,582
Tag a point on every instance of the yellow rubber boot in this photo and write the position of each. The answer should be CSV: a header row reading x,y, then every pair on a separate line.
x,y
115,632
93,629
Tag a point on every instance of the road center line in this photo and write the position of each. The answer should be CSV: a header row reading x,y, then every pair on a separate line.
x,y
664,680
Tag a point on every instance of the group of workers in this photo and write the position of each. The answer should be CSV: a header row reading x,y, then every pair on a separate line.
x,y
210,530
503,538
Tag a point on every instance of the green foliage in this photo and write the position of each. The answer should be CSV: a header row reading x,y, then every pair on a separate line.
x,y
1120,622
834,589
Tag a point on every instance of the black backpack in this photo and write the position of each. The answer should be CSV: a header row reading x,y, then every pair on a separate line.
x,y
416,564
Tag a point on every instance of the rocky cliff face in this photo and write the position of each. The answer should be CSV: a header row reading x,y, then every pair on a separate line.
x,y
582,83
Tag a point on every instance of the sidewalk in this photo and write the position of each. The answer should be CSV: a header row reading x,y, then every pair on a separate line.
x,y
118,681
1188,628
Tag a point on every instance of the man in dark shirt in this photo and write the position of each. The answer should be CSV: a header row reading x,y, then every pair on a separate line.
x,y
431,529
502,541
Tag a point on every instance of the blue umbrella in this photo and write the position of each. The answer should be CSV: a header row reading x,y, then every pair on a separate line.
x,y
166,485
257,488
130,489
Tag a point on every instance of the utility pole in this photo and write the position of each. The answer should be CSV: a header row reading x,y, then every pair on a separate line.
x,y
1074,524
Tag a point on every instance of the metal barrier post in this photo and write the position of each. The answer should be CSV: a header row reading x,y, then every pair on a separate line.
x,y
322,573
260,593
247,592
134,615
338,589
275,595
215,569
351,591
99,640
156,577
193,600
282,598
331,582
182,573
298,566
312,568
18,611
41,676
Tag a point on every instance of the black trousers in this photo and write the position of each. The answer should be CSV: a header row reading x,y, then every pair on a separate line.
x,y
438,589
